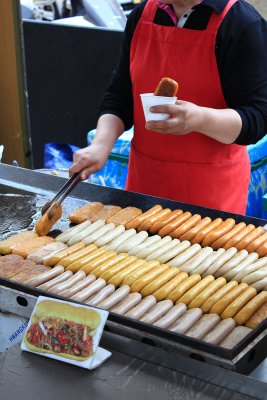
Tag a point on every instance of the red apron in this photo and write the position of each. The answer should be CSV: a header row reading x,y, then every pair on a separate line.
x,y
191,168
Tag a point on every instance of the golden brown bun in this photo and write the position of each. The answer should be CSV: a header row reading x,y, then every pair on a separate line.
x,y
44,224
167,87
65,355
51,309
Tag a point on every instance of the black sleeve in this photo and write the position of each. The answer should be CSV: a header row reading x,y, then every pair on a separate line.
x,y
118,99
242,64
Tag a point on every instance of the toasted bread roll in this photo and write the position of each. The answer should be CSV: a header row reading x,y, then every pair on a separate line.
x,y
44,224
239,303
109,264
148,222
156,312
68,233
139,272
40,255
198,238
124,216
82,263
85,212
253,246
195,290
218,295
161,222
220,331
89,266
104,213
234,272
232,263
160,281
185,256
167,87
55,258
239,236
165,290
172,315
214,256
186,285
183,228
234,337
228,298
167,229
117,268
46,276
190,265
250,308
203,326
224,239
228,255
196,229
6,245
258,316
133,224
117,279
29,273
71,258
186,321
250,238
24,248
215,234
138,285
207,293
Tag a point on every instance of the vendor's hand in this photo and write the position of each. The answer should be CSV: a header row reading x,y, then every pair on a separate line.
x,y
184,117
89,160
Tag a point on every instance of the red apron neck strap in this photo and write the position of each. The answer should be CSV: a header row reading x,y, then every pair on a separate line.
x,y
216,19
149,12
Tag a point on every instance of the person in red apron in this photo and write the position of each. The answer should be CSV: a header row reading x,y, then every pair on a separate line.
x,y
191,156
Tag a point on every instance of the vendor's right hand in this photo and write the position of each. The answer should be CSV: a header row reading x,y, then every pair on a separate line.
x,y
89,160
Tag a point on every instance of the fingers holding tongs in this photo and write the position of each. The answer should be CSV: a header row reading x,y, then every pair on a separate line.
x,y
52,206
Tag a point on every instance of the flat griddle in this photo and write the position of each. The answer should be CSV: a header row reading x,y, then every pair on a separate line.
x,y
22,195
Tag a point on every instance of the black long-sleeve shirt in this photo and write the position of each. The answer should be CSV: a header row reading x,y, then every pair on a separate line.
x,y
241,54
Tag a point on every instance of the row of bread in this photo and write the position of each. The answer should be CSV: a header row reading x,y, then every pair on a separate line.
x,y
230,263
193,259
151,278
164,314
181,225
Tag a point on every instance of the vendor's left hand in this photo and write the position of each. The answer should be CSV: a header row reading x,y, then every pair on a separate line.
x,y
184,117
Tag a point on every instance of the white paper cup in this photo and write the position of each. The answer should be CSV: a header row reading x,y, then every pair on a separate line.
x,y
149,100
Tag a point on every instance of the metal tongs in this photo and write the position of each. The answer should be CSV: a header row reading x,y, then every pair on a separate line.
x,y
52,206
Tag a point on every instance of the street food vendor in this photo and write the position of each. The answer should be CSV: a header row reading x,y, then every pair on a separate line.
x,y
216,51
